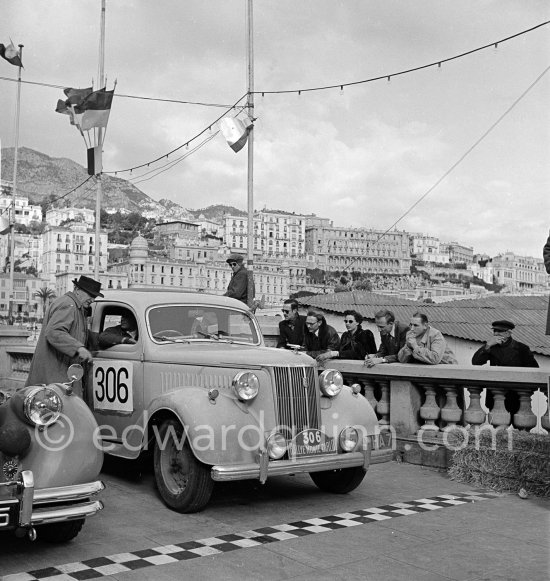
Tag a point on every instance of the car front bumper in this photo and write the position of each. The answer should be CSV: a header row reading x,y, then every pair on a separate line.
x,y
30,507
265,467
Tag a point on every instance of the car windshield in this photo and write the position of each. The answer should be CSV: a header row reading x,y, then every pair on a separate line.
x,y
189,323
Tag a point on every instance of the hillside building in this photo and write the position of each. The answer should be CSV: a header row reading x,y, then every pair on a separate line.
x,y
71,249
276,234
55,216
520,273
358,249
25,213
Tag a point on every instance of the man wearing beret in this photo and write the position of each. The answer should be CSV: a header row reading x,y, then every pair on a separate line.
x,y
64,337
238,285
503,351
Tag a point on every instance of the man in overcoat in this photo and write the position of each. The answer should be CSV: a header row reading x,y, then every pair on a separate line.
x,y
238,285
64,337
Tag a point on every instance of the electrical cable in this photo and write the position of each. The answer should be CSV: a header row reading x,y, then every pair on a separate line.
x,y
460,159
147,164
437,63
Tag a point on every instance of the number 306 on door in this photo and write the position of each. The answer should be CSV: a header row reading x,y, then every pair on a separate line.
x,y
113,386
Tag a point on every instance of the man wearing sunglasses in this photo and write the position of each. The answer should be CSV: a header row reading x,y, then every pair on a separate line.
x,y
238,285
291,329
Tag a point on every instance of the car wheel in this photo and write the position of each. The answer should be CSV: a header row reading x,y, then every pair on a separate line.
x,y
59,532
339,481
183,482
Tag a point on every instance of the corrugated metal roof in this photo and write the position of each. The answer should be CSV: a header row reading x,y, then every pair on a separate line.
x,y
467,319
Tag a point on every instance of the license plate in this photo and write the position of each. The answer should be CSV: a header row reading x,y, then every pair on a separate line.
x,y
382,441
9,515
311,443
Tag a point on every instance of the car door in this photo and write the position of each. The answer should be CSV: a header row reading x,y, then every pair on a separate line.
x,y
115,389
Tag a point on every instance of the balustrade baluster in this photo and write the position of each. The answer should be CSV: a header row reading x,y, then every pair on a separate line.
x,y
368,386
383,407
429,411
524,418
475,415
498,415
451,413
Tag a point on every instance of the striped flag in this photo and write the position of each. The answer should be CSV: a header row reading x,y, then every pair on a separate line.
x,y
11,54
235,131
74,98
94,110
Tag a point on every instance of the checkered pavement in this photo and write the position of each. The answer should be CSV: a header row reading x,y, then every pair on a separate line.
x,y
122,562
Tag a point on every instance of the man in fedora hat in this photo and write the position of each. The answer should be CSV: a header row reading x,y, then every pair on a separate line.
x,y
238,285
64,337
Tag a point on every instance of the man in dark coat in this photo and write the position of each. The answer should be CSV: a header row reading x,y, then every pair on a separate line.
x,y
503,351
393,336
291,329
125,333
64,337
546,256
238,285
319,337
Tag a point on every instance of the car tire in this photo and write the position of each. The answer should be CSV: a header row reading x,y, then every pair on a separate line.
x,y
59,532
183,482
339,481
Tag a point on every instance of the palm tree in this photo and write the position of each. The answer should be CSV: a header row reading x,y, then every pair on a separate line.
x,y
45,294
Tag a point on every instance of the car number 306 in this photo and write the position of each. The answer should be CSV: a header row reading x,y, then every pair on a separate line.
x,y
112,386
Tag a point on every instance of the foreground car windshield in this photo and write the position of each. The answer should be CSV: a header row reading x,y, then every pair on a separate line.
x,y
186,323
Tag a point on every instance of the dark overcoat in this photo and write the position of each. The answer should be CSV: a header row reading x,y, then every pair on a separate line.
x,y
64,331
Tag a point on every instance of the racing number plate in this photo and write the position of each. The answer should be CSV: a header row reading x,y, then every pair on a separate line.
x,y
311,443
113,386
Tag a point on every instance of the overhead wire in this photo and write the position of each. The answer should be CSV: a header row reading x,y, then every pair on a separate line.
x,y
388,76
460,159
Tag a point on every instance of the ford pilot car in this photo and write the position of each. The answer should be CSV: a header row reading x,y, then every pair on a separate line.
x,y
200,391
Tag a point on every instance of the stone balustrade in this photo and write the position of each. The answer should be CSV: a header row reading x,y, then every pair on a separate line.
x,y
439,397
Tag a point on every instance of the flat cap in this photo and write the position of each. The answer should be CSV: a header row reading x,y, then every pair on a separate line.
x,y
502,325
234,258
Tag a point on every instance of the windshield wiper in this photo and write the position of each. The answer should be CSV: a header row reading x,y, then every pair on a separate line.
x,y
170,339
208,335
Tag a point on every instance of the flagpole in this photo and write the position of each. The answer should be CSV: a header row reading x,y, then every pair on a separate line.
x,y
99,148
250,180
14,190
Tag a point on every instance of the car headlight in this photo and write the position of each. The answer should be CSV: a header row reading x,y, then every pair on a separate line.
x,y
42,406
349,437
276,446
246,385
331,382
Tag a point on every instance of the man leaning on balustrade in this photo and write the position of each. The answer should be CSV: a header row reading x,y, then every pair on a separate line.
x,y
425,344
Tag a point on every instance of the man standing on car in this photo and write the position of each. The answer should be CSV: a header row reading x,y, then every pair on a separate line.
x,y
238,285
64,336
291,329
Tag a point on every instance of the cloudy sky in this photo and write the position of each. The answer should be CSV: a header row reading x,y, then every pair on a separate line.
x,y
361,156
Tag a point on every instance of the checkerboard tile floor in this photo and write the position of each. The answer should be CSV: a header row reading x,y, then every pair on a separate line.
x,y
155,556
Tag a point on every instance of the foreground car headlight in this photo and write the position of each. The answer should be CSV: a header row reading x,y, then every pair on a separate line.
x,y
276,446
42,406
246,385
331,382
349,437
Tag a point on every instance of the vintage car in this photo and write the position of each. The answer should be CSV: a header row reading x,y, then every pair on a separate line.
x,y
49,463
199,390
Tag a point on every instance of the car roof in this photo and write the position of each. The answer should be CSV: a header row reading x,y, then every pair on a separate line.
x,y
144,298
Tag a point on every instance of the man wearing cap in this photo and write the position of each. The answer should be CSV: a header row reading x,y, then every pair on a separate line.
x,y
64,337
503,351
238,285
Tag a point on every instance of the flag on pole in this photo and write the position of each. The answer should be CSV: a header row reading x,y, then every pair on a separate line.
x,y
94,110
11,54
74,98
235,131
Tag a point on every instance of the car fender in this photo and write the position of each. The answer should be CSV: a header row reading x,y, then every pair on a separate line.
x,y
221,430
65,453
348,409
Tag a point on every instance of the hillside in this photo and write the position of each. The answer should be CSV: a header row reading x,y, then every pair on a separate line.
x,y
41,176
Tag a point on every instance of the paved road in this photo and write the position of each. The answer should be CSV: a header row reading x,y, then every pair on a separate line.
x,y
403,522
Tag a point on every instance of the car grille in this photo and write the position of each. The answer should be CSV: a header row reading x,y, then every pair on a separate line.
x,y
297,399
